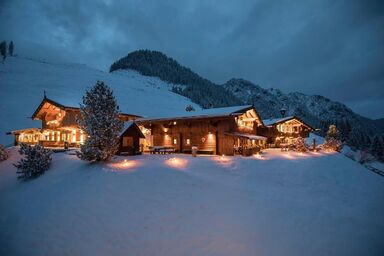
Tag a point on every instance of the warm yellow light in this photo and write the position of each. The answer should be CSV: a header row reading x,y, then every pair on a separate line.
x,y
73,136
124,165
224,160
176,162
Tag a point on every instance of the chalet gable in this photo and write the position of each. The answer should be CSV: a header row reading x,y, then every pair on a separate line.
x,y
289,120
50,110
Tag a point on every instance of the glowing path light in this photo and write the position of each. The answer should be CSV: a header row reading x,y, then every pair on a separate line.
x,y
124,165
175,162
224,160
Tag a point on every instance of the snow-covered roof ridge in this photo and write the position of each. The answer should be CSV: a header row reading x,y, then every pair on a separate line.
x,y
126,125
268,122
65,106
212,112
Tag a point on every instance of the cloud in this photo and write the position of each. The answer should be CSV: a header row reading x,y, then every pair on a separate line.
x,y
332,48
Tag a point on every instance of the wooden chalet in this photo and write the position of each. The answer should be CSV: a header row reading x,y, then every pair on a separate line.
x,y
213,131
58,126
228,131
284,131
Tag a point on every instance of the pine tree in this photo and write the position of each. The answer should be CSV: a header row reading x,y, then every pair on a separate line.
x,y
358,139
10,48
36,161
3,153
189,108
100,121
300,145
3,49
332,139
377,147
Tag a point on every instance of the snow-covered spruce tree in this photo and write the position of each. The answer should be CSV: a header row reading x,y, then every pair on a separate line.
x,y
36,161
332,139
99,119
3,153
377,147
189,108
300,145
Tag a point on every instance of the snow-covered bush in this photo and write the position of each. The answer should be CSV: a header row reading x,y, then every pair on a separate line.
x,y
100,121
189,108
363,156
332,139
3,153
300,145
36,161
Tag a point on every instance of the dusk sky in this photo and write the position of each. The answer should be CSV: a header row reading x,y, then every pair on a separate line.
x,y
332,48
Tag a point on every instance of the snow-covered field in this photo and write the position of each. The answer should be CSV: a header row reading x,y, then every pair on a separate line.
x,y
23,80
281,204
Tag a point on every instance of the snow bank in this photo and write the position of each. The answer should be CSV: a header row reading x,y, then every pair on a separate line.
x,y
279,204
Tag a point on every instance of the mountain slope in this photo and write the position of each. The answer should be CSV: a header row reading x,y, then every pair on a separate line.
x,y
317,110
198,89
22,82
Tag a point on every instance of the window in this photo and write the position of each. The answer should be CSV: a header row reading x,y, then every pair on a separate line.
x,y
188,142
174,141
127,142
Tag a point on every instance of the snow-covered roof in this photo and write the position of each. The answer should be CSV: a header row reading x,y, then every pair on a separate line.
x,y
126,126
249,136
212,112
65,105
268,122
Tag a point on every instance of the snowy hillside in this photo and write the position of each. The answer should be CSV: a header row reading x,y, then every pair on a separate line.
x,y
23,80
282,204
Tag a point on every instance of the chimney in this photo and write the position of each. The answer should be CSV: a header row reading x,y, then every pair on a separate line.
x,y
282,112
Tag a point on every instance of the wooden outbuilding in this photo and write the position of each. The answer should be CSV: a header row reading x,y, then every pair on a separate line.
x,y
130,139
285,130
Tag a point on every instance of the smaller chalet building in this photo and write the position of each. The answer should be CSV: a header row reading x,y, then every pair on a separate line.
x,y
228,131
284,131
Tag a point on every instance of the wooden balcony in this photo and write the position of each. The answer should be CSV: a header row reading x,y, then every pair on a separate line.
x,y
273,133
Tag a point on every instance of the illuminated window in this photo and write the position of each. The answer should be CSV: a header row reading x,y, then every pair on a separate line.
x,y
73,136
174,141
188,142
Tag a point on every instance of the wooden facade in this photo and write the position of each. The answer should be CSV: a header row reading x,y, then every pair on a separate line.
x,y
130,139
59,127
284,131
228,131
211,134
